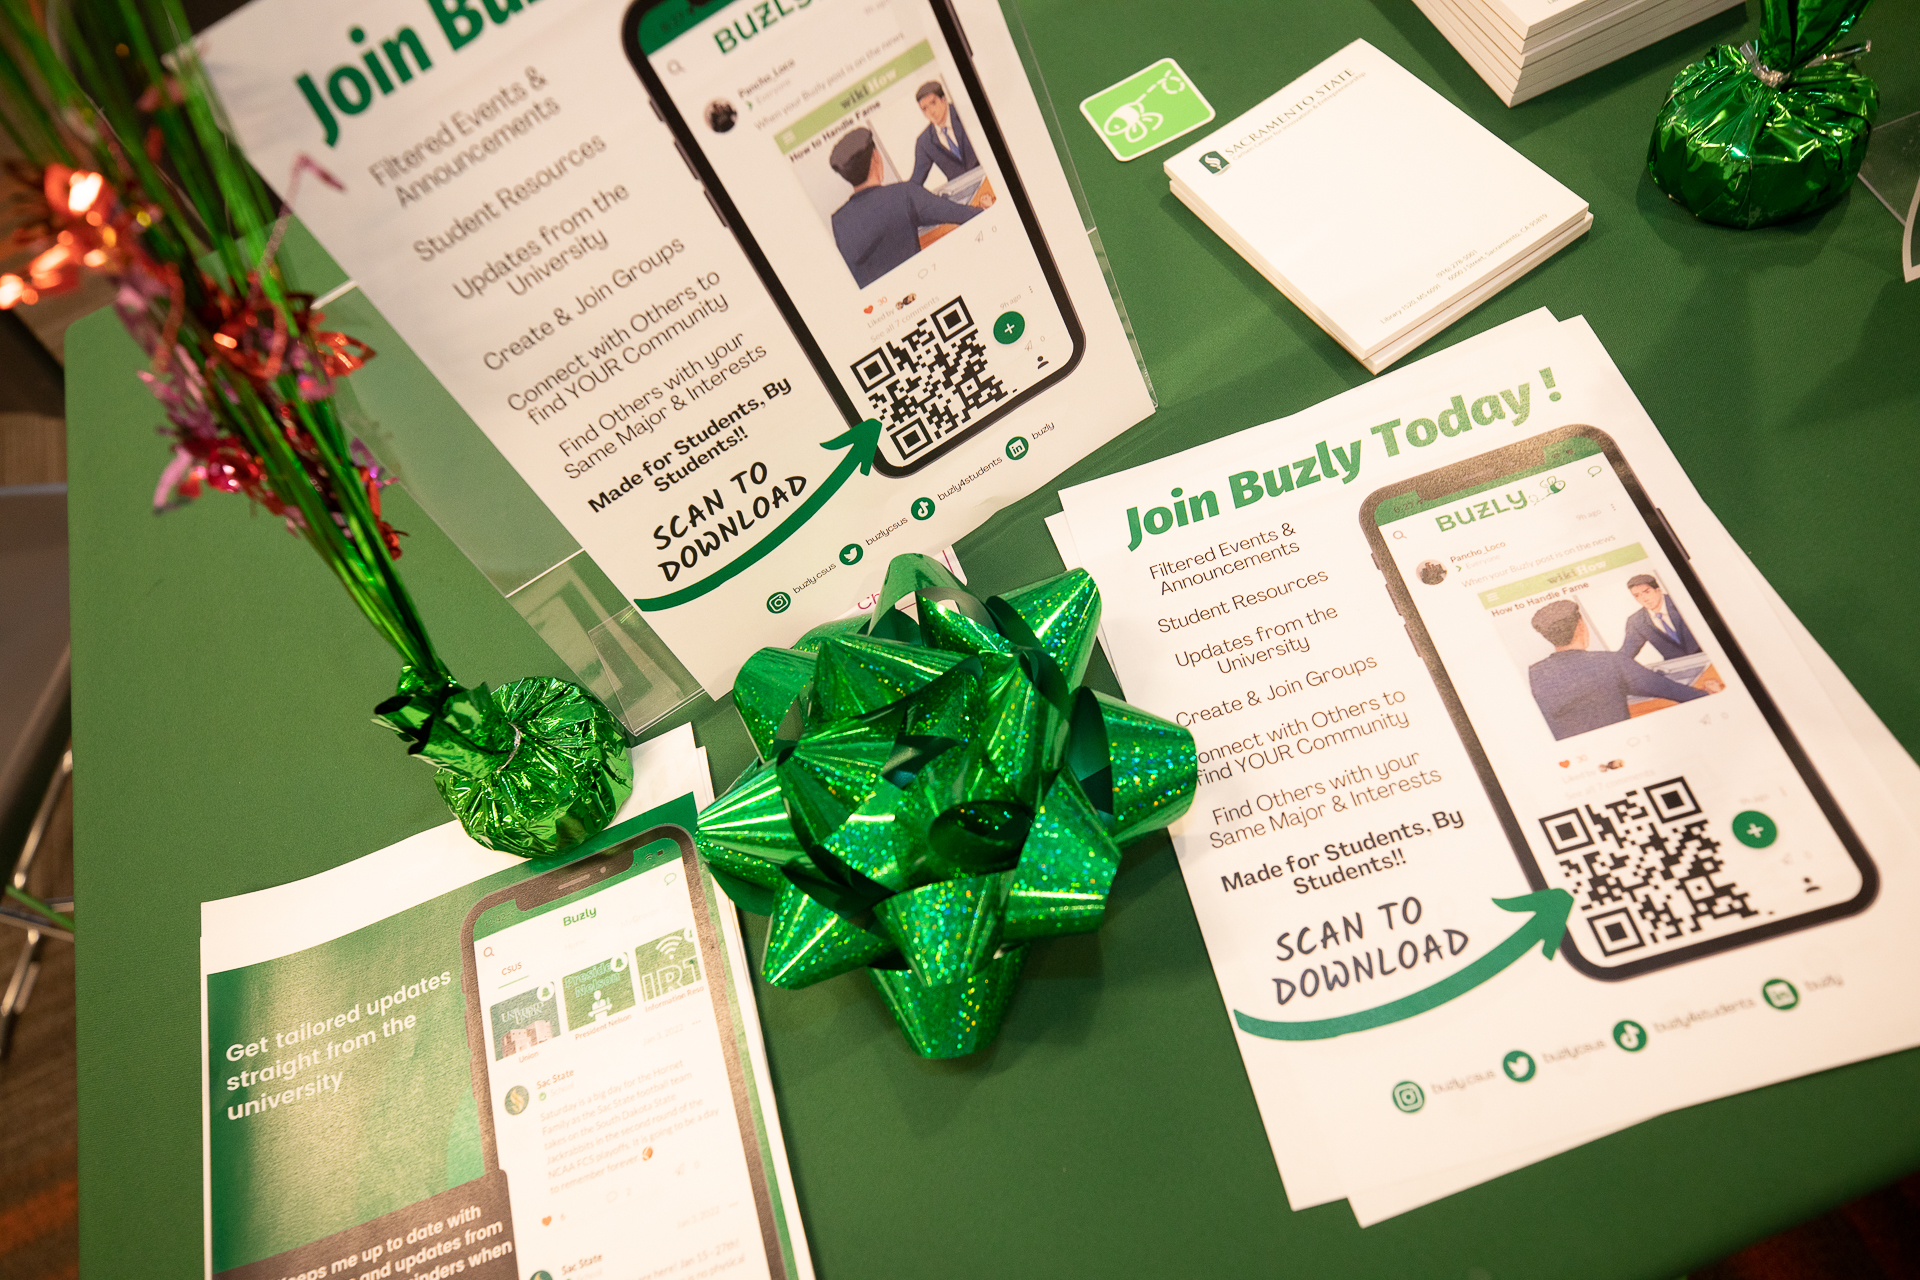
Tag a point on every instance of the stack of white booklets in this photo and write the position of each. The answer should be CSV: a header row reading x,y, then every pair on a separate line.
x,y
1525,47
1376,206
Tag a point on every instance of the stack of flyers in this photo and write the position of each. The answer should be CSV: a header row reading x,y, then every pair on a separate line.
x,y
1527,809
1522,48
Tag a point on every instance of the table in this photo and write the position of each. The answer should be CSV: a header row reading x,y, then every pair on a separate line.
x,y
222,690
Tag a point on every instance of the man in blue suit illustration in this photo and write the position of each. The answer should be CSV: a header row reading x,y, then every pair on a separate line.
x,y
943,144
1578,689
1656,622
878,228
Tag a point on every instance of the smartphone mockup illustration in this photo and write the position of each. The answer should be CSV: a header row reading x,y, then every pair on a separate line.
x,y
611,1059
850,149
1632,753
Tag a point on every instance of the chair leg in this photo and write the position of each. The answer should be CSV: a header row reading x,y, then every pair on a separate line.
x,y
27,968
20,989
42,817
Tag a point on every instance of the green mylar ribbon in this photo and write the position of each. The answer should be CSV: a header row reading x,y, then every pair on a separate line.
x,y
1773,129
933,794
532,769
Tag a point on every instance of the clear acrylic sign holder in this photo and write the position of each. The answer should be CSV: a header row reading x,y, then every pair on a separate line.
x,y
445,462
1891,171
452,470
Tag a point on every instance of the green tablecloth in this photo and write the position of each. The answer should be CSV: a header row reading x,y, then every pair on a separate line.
x,y
222,688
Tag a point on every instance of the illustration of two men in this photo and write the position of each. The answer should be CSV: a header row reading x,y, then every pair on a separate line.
x,y
943,144
878,228
1579,689
1656,622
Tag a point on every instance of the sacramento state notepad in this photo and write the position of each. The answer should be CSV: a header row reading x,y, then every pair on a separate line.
x,y
1377,206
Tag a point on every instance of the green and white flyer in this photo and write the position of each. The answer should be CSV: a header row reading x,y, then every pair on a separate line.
x,y
1526,811
754,297
440,1061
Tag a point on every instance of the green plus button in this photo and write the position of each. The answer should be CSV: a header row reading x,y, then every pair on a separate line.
x,y
1754,829
1009,327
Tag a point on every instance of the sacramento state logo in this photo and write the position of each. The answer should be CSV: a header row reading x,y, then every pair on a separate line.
x,y
1213,160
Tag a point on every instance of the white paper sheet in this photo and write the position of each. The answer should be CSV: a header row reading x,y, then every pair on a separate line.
x,y
280,966
500,184
1361,131
1578,1084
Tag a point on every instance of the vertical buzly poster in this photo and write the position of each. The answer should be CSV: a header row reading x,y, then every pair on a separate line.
x,y
754,297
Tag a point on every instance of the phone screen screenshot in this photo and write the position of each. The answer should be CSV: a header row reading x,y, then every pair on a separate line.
x,y
855,155
613,1100
1645,776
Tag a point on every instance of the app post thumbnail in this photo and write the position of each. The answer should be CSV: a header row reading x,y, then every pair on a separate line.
x,y
522,1021
1601,639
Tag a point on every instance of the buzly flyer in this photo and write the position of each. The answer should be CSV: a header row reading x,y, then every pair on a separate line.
x,y
1522,817
754,297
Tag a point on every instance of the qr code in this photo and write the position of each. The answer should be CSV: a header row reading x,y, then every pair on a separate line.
x,y
1643,868
930,383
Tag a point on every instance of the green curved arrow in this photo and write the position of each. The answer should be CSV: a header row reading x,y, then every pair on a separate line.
x,y
1548,924
861,443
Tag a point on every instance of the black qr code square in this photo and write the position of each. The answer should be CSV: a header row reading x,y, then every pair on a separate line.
x,y
1672,800
873,369
1644,869
931,382
1616,932
952,320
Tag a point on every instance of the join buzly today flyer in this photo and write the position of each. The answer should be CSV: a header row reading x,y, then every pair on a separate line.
x,y
753,296
1522,816
441,1061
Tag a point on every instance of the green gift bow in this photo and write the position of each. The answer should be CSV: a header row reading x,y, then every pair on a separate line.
x,y
932,795
1774,129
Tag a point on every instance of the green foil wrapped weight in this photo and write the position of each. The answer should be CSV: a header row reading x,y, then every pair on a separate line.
x,y
934,791
1771,130
532,769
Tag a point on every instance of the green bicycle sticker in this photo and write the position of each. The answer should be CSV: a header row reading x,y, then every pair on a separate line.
x,y
1148,109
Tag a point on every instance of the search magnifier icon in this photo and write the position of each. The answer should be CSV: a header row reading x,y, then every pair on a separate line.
x,y
1399,533
1593,471
673,65
488,953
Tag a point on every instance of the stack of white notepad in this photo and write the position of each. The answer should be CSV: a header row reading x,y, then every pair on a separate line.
x,y
1526,47
1376,206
